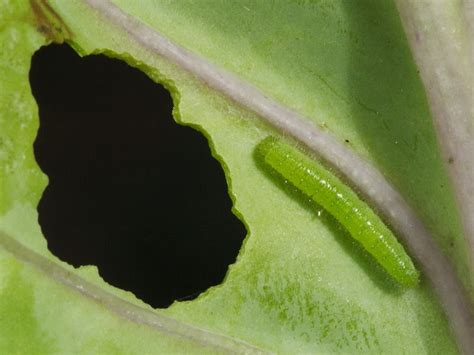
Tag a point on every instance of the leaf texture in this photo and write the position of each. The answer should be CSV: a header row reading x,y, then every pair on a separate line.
x,y
298,284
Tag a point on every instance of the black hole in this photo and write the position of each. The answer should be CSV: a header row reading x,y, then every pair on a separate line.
x,y
130,191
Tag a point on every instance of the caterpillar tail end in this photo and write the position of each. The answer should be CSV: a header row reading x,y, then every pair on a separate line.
x,y
411,278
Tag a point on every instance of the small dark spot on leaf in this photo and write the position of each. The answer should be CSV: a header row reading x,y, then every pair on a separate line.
x,y
417,36
450,160
43,29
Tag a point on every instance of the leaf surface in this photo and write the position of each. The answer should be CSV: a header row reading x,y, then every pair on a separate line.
x,y
299,284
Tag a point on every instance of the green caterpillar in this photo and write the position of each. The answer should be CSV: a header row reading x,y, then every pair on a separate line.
x,y
342,202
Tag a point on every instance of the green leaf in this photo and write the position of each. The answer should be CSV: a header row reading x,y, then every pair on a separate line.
x,y
298,285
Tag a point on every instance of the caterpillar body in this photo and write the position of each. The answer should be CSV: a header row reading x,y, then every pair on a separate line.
x,y
326,189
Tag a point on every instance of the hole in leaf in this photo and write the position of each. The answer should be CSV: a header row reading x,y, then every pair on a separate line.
x,y
130,190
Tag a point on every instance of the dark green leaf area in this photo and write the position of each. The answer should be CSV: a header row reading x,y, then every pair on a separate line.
x,y
20,326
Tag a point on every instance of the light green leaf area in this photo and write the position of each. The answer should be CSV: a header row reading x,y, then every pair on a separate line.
x,y
299,284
